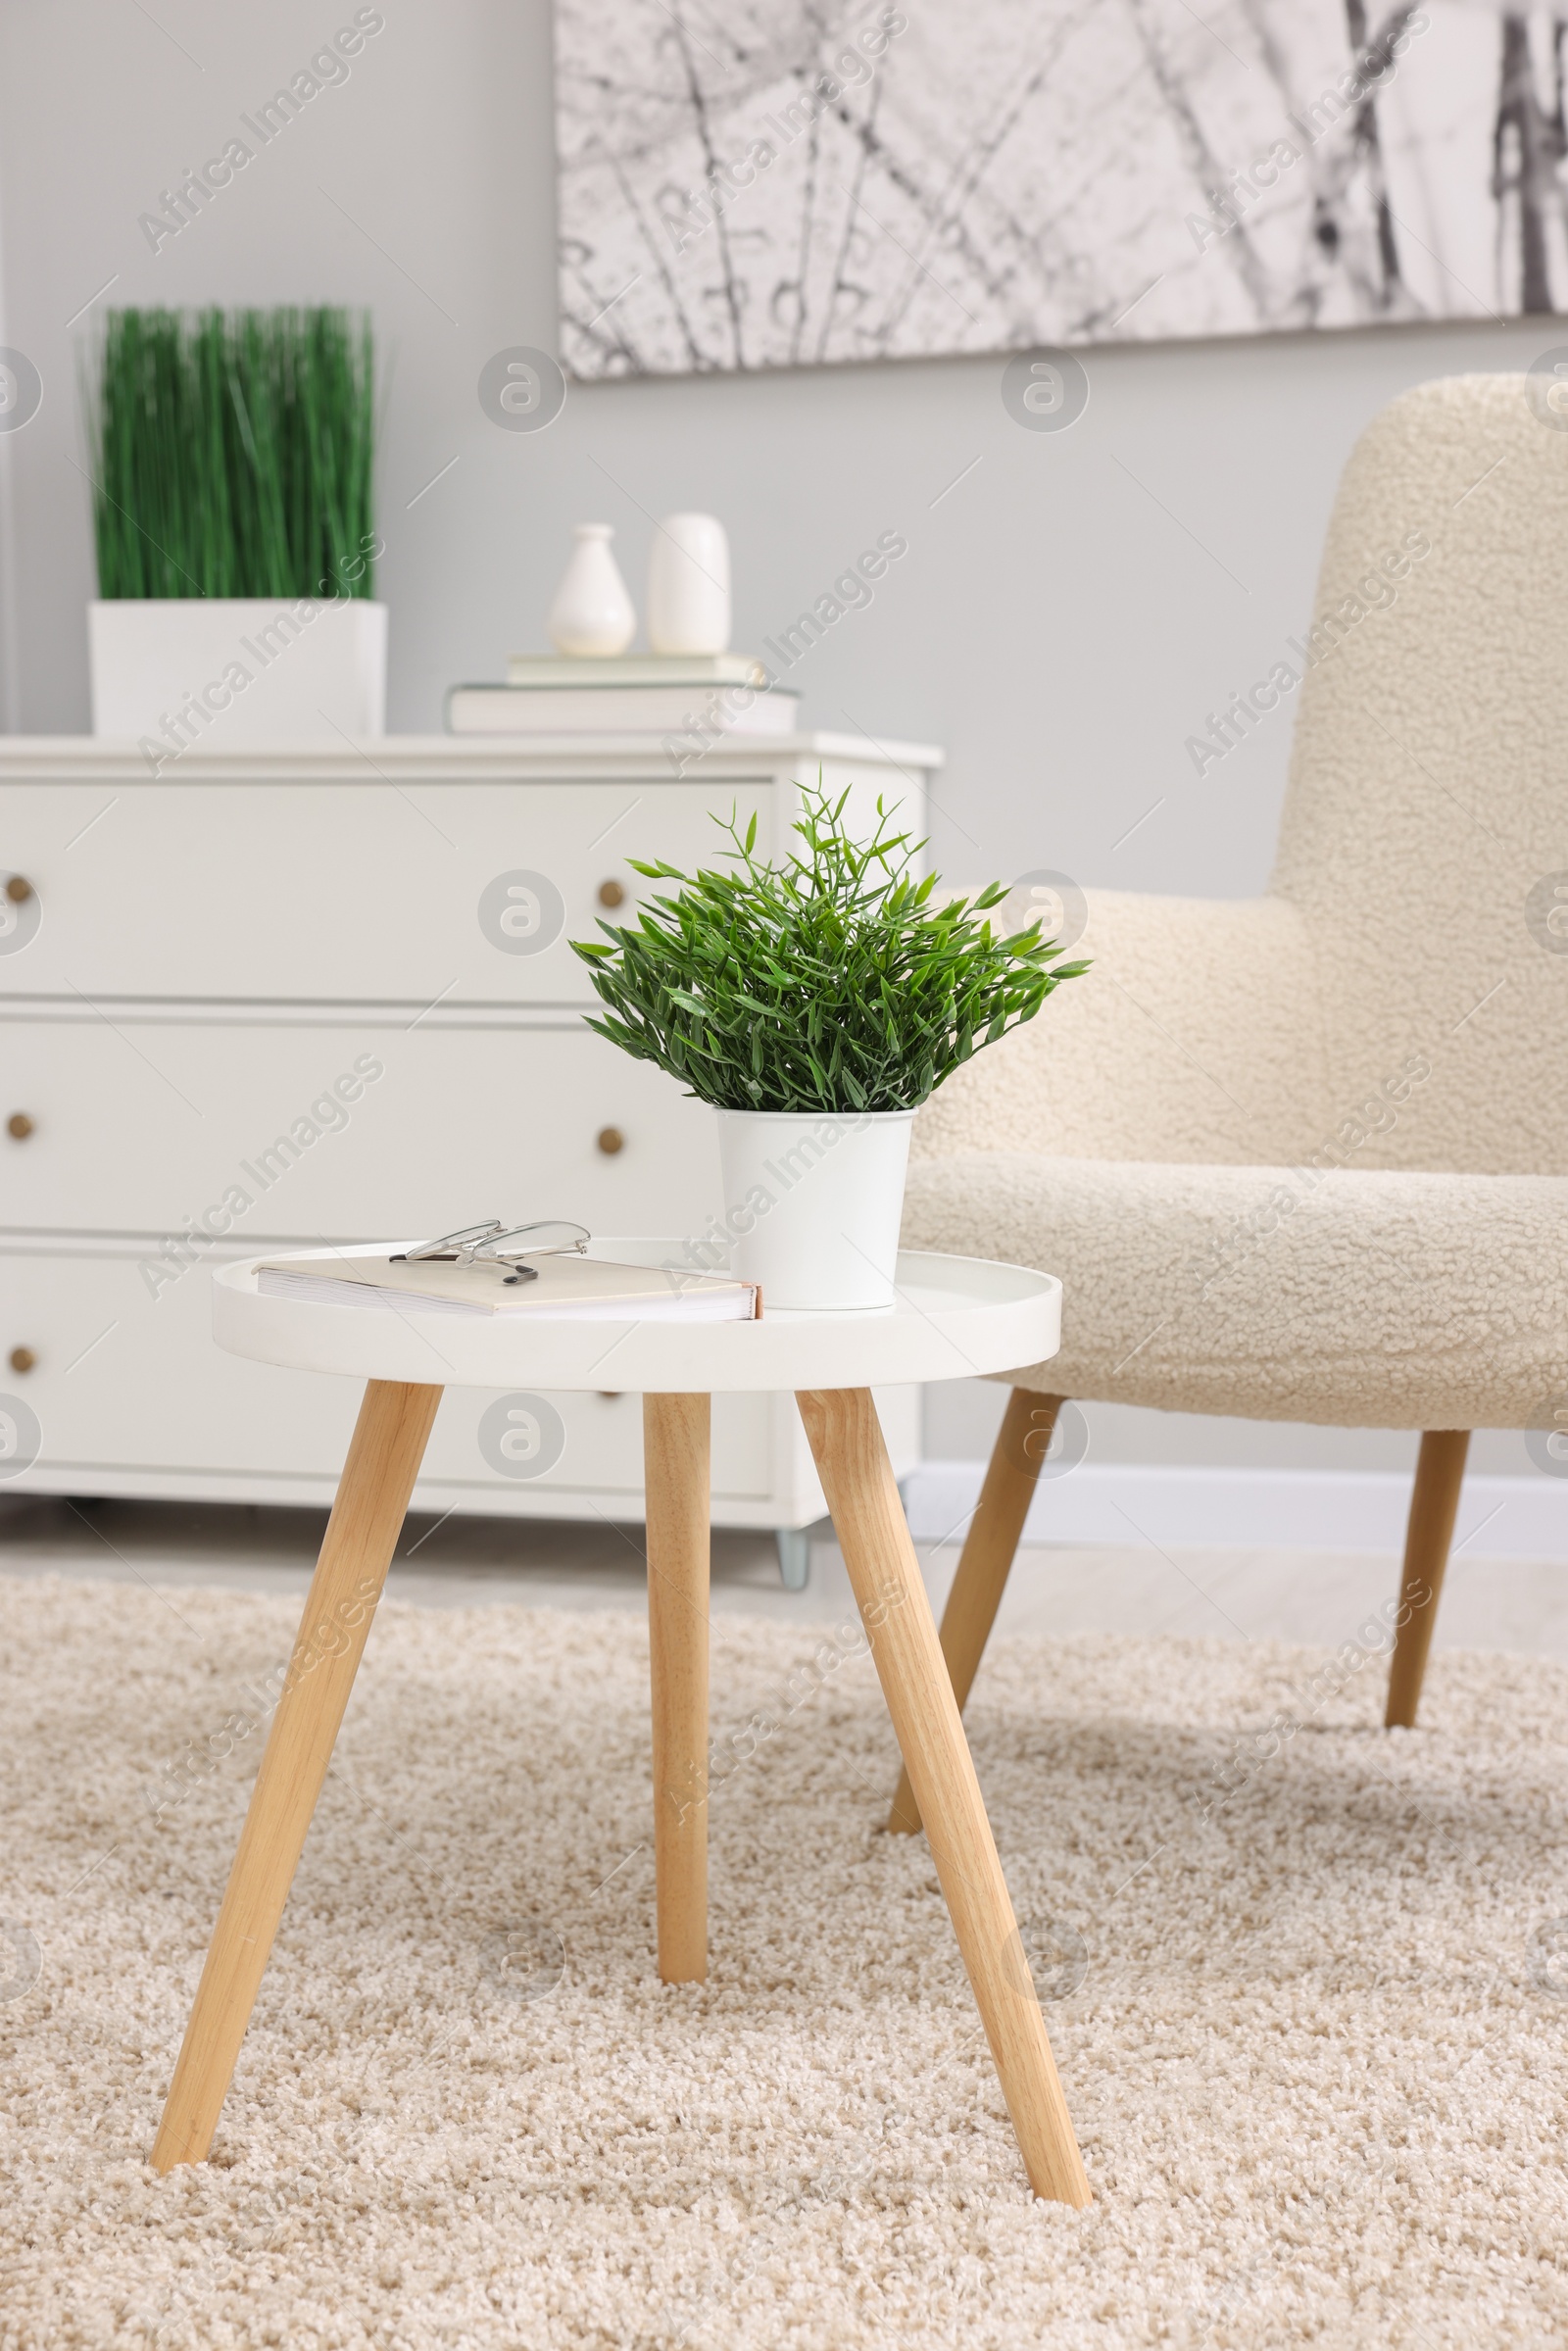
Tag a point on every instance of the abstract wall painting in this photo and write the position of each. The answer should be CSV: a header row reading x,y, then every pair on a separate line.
x,y
772,183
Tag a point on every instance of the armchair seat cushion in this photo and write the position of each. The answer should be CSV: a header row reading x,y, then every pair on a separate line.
x,y
1356,1297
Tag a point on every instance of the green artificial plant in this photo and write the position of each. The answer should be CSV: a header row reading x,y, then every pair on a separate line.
x,y
832,981
233,454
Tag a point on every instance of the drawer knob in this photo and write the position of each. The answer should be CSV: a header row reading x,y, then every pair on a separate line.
x,y
18,1126
19,889
610,1141
23,1358
612,894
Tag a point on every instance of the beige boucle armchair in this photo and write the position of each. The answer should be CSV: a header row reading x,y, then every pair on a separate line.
x,y
1306,1158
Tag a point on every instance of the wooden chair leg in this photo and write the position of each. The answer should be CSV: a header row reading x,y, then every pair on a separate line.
x,y
1022,1442
675,1473
1433,1504
857,1480
372,1496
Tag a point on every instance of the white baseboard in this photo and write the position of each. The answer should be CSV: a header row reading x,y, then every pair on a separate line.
x,y
1249,1509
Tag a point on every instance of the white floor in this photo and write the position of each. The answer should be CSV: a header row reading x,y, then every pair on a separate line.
x,y
1282,1593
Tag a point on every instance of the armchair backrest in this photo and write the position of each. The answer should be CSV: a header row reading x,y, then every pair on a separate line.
x,y
1399,997
1425,836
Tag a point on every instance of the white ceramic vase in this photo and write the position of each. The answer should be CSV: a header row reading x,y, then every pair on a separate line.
x,y
812,1202
688,586
592,613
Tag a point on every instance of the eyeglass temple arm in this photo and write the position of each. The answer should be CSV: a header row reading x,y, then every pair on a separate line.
x,y
466,1236
543,1224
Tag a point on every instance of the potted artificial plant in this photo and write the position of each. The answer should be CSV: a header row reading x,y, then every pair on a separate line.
x,y
232,511
816,1004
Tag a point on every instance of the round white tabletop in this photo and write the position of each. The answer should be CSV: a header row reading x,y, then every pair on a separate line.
x,y
955,1317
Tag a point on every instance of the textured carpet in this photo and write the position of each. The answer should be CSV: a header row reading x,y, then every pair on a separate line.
x,y
1308,1990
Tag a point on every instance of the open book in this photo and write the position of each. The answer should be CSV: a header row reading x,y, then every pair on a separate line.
x,y
583,1288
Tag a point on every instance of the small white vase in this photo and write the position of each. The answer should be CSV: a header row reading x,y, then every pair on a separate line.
x,y
688,586
812,1203
592,613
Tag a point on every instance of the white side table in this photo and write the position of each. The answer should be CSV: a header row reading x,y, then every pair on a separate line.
x,y
954,1316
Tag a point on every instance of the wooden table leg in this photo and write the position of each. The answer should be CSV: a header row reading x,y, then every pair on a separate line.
x,y
858,1480
675,1475
372,1496
1022,1442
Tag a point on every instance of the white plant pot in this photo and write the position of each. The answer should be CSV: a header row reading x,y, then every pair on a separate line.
x,y
812,1202
183,671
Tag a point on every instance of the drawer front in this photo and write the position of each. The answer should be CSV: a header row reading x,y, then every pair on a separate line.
x,y
124,1381
317,1132
405,893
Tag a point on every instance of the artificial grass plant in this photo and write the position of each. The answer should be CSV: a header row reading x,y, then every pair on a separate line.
x,y
233,454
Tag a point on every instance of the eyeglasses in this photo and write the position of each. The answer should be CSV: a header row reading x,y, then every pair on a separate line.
x,y
494,1244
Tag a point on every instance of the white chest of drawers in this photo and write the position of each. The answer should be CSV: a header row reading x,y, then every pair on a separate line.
x,y
326,994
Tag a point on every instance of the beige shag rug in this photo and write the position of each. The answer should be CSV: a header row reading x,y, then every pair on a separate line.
x,y
1309,1992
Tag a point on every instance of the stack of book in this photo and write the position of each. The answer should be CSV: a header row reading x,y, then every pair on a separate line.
x,y
624,694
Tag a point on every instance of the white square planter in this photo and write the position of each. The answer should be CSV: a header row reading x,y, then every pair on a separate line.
x,y
174,671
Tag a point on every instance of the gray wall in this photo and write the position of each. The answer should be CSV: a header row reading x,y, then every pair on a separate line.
x,y
1065,615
